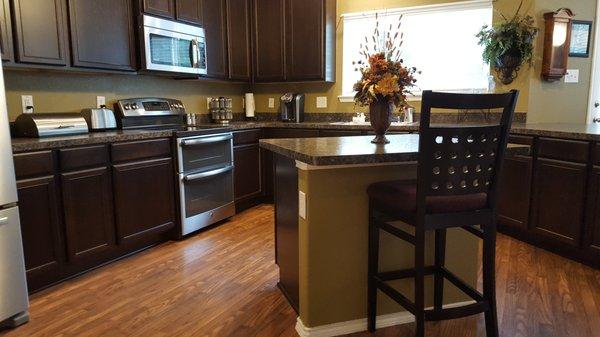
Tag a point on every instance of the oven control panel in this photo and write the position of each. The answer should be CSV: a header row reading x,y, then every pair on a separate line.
x,y
150,106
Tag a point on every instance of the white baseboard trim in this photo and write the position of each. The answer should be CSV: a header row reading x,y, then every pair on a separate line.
x,y
358,325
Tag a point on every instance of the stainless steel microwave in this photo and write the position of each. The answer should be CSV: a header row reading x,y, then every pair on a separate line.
x,y
173,47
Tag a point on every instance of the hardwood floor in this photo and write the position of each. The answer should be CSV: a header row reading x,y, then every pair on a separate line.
x,y
222,282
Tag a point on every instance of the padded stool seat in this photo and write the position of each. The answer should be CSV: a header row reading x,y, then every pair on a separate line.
x,y
400,196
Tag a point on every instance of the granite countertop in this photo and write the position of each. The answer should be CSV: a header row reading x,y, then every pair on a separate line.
x,y
558,130
356,150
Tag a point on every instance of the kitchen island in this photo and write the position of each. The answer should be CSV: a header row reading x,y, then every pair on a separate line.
x,y
322,224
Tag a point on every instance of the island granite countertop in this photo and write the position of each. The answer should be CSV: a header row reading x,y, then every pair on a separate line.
x,y
355,150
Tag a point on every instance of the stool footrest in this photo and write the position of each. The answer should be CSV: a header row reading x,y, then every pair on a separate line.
x,y
458,312
397,232
474,230
403,273
395,295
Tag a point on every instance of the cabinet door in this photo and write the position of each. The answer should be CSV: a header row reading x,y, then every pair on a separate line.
x,y
164,8
189,11
102,34
144,200
41,230
592,232
88,209
6,43
215,30
268,40
304,30
238,39
41,31
559,194
247,171
514,192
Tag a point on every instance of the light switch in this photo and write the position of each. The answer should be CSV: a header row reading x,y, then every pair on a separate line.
x,y
572,76
271,102
321,102
100,101
302,204
27,101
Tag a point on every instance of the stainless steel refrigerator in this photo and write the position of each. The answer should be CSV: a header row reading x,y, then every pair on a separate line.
x,y
13,286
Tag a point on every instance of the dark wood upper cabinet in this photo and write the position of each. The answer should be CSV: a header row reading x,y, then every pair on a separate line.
x,y
238,39
164,8
6,42
41,31
215,30
102,34
189,11
310,45
268,26
88,210
144,200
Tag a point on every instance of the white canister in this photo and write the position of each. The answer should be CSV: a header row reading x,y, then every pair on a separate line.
x,y
249,99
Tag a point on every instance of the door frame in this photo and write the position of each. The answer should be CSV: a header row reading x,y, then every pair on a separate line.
x,y
595,78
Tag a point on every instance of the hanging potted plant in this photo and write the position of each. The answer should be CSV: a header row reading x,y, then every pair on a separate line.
x,y
509,45
385,80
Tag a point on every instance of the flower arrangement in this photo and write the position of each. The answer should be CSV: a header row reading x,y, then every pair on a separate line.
x,y
509,45
385,78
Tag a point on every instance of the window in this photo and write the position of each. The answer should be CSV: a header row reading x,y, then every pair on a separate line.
x,y
439,40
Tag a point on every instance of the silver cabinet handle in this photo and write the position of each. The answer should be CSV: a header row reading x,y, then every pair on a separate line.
x,y
202,175
206,140
3,221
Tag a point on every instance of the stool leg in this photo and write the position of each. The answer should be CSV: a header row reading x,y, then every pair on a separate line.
x,y
373,270
420,281
440,259
489,279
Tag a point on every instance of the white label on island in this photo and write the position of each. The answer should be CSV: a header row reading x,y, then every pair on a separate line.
x,y
302,204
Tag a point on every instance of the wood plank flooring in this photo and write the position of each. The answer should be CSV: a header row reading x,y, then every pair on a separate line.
x,y
222,282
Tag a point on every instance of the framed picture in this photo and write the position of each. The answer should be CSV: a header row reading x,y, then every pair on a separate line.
x,y
581,35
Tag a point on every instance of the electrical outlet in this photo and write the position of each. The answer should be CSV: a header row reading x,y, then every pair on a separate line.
x,y
100,101
572,76
302,204
27,101
321,102
271,102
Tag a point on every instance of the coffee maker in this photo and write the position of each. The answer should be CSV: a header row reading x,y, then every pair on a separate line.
x,y
291,108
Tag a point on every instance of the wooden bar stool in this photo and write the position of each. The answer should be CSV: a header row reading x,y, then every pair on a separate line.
x,y
456,186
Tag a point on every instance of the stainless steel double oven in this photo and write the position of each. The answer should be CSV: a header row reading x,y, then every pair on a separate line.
x,y
205,173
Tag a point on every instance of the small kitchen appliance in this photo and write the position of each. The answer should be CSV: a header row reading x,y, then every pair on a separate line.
x,y
99,119
40,125
291,108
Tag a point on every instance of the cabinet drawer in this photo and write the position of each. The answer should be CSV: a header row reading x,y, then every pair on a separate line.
x,y
566,150
33,164
155,148
246,137
81,157
596,154
518,139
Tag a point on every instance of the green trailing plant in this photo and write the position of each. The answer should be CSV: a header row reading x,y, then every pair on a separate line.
x,y
509,44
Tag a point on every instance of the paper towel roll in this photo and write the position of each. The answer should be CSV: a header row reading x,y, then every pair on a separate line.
x,y
249,97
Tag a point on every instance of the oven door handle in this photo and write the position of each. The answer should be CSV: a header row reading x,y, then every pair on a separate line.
x,y
206,140
203,175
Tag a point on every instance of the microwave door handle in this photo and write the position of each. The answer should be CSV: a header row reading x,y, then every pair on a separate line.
x,y
194,53
203,175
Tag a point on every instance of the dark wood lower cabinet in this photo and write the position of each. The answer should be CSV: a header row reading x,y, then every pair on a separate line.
x,y
247,175
558,200
89,217
41,229
514,192
144,201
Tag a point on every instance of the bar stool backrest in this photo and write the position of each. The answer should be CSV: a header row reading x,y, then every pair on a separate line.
x,y
462,159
